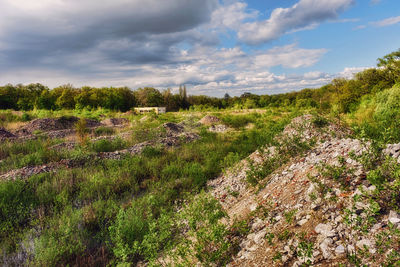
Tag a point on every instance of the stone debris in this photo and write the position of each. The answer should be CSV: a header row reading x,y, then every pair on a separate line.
x,y
325,230
53,124
219,128
297,187
209,120
4,134
304,127
173,128
175,137
394,217
33,170
170,141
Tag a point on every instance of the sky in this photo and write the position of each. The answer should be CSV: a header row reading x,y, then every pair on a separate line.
x,y
211,46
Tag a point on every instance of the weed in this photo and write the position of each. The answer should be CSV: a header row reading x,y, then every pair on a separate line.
x,y
289,216
102,130
81,131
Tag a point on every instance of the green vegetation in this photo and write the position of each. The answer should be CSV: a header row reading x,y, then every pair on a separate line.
x,y
154,206
124,211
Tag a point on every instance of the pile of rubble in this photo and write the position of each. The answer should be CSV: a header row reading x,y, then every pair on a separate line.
x,y
175,137
33,170
209,120
169,141
53,124
173,128
4,134
219,128
301,215
308,126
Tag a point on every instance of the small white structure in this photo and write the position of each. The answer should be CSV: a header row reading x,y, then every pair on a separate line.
x,y
157,110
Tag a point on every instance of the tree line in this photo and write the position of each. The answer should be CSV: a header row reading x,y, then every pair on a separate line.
x,y
341,94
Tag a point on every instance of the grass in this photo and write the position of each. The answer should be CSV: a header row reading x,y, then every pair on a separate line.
x,y
124,210
110,212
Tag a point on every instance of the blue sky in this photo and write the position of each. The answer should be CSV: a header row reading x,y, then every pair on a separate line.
x,y
211,46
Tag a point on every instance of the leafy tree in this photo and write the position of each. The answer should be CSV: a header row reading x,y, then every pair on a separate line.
x,y
391,62
66,99
149,97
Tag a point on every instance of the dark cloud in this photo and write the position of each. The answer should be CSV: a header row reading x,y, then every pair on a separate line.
x,y
136,31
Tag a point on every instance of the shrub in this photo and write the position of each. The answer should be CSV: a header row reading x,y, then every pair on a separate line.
x,y
81,131
63,240
16,203
100,131
105,145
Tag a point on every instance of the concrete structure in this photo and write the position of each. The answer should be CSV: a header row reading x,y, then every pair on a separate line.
x,y
157,110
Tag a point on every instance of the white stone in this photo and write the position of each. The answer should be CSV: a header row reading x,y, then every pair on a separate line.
x,y
259,237
394,217
258,225
324,246
301,222
253,207
338,219
324,229
340,249
364,242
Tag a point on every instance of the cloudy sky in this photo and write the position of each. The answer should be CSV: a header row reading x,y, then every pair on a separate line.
x,y
212,46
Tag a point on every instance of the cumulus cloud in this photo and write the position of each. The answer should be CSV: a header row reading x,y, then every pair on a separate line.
x,y
207,70
157,43
349,72
304,14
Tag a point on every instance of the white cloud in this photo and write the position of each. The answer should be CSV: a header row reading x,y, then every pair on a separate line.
x,y
289,56
302,15
387,22
349,72
157,43
208,70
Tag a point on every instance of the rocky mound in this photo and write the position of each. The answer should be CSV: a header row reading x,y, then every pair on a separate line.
x,y
317,210
50,124
208,120
308,126
219,128
115,122
173,128
4,134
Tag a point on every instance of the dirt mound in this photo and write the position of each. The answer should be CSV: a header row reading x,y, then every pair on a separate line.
x,y
115,121
50,124
173,128
208,120
4,134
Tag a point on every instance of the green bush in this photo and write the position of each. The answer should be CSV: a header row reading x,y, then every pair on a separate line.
x,y
65,239
17,201
100,131
26,117
239,121
105,145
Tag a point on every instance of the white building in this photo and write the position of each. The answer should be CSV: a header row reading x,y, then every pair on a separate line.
x,y
157,110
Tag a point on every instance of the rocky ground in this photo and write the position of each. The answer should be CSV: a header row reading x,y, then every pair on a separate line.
x,y
314,210
171,135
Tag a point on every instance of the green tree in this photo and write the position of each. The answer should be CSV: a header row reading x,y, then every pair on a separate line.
x,y
149,97
391,62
